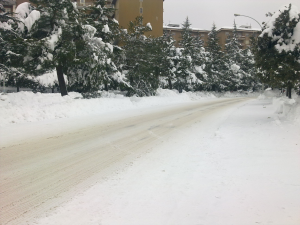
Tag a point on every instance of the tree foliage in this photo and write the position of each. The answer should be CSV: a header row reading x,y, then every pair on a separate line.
x,y
277,51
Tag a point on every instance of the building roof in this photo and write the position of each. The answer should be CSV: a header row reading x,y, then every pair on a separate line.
x,y
240,28
178,27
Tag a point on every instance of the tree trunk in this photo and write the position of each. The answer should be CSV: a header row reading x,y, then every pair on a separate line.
x,y
3,89
18,89
170,84
52,89
289,92
61,80
105,86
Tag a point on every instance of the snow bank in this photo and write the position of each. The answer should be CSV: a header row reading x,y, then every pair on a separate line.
x,y
287,109
284,108
30,107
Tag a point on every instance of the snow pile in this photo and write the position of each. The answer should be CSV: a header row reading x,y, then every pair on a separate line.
x,y
284,108
235,94
287,109
30,107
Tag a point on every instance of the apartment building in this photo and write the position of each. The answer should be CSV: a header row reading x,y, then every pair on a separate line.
x,y
244,34
9,5
151,10
175,30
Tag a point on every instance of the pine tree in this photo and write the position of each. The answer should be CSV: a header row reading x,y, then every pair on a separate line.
x,y
188,59
166,60
277,52
140,59
106,75
249,81
60,38
214,65
233,59
13,47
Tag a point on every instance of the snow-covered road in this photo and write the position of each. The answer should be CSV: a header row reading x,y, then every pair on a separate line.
x,y
210,162
39,173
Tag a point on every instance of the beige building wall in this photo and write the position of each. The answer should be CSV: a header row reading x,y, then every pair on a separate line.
x,y
244,36
151,10
9,5
177,34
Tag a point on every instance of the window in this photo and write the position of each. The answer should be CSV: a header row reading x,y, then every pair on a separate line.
x,y
8,10
141,10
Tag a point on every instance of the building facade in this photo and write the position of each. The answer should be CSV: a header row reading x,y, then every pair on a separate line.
x,y
150,10
244,34
128,10
175,30
9,5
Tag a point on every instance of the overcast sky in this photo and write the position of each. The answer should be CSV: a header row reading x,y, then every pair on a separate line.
x,y
202,13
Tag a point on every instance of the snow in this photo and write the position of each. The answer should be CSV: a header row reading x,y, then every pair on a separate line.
x,y
241,167
115,21
49,79
105,29
90,31
235,68
32,17
284,44
26,16
23,10
149,26
25,107
53,39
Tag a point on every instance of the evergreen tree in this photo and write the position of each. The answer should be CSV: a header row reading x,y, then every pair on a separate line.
x,y
140,55
166,58
277,52
214,66
61,39
12,50
105,31
189,58
249,80
233,60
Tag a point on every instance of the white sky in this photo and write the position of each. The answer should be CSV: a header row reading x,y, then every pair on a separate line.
x,y
202,13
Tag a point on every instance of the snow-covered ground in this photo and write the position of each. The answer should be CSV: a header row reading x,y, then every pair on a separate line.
x,y
239,168
25,107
